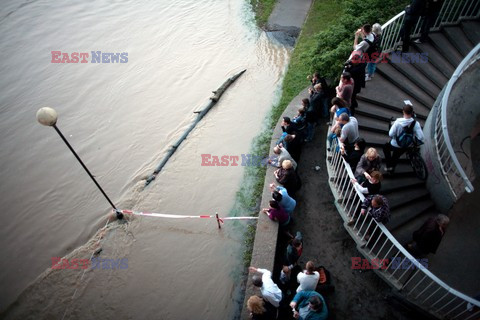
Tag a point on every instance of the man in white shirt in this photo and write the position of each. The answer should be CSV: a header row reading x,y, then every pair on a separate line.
x,y
308,279
269,289
366,33
394,149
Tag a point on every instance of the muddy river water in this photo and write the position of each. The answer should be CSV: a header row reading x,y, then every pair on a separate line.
x,y
121,118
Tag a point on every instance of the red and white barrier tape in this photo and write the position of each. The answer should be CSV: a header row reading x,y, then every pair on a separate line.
x,y
174,216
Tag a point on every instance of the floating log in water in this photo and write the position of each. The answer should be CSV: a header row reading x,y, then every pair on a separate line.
x,y
213,100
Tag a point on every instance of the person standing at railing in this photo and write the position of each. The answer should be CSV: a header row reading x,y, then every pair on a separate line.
x,y
349,133
345,88
429,10
374,51
353,157
403,133
269,289
375,206
427,239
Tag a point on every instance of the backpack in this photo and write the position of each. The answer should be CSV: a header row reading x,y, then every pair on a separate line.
x,y
406,137
373,46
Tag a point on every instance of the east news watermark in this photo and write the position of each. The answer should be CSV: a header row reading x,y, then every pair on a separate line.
x,y
391,57
89,57
244,160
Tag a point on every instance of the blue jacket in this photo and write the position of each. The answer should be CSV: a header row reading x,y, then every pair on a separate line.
x,y
302,297
288,203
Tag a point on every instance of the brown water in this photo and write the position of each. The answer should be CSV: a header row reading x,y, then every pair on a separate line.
x,y
121,119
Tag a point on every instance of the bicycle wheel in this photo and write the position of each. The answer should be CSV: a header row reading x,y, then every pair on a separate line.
x,y
419,166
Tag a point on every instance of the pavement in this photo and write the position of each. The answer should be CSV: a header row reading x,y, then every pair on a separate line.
x,y
286,20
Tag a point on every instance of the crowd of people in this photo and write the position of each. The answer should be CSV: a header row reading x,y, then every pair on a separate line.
x,y
366,164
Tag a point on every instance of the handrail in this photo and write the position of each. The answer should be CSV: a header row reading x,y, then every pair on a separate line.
x,y
348,201
466,62
451,11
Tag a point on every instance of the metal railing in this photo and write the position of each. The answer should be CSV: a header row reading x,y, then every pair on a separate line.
x,y
395,264
451,12
453,171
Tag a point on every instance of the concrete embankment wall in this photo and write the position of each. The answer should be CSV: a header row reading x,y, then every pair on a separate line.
x,y
265,245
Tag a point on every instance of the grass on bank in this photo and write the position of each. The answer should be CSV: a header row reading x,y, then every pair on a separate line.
x,y
262,9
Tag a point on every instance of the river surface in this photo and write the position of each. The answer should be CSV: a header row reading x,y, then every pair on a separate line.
x,y
121,118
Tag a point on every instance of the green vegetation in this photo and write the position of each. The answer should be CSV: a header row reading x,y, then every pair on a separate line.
x,y
262,9
335,43
322,14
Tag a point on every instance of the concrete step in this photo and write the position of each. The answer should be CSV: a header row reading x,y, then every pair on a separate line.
x,y
416,76
401,198
471,28
435,58
458,38
372,124
400,182
404,83
430,71
384,92
373,139
446,48
402,230
378,110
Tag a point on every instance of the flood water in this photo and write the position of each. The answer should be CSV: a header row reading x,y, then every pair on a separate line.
x,y
121,118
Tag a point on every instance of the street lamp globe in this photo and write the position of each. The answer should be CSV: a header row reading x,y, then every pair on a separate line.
x,y
47,116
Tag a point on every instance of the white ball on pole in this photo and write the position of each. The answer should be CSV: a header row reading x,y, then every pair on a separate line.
x,y
47,116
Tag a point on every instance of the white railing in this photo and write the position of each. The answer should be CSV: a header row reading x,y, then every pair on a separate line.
x,y
416,283
452,11
453,171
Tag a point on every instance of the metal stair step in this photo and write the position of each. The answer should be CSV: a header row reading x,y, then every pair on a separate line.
x,y
471,28
371,124
403,215
404,83
384,92
458,38
435,58
446,48
402,230
380,110
403,197
416,76
431,71
399,182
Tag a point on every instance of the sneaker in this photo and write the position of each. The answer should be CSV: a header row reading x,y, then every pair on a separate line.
x,y
351,222
418,41
367,78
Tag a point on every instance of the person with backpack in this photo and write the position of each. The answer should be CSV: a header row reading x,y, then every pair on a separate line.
x,y
374,51
404,132
366,33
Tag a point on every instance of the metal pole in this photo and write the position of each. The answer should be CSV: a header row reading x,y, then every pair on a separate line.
x,y
118,213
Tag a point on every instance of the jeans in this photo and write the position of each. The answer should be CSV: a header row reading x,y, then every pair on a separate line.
x,y
371,67
392,154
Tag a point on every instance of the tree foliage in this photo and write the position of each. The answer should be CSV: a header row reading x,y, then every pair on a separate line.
x,y
335,43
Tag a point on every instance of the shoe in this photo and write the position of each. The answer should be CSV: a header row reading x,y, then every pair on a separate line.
x,y
351,222
367,78
418,41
